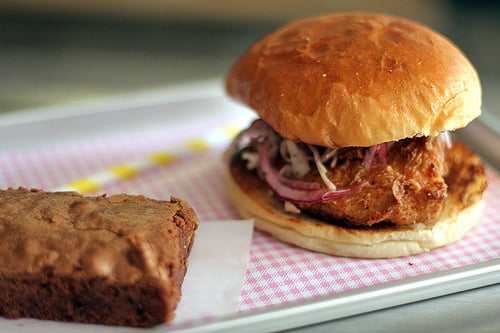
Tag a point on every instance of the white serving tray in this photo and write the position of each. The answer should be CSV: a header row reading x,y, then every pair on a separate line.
x,y
151,109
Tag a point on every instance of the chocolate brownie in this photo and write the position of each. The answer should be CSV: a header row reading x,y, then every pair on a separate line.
x,y
117,260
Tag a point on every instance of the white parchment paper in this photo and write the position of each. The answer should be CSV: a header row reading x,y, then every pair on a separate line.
x,y
216,270
211,288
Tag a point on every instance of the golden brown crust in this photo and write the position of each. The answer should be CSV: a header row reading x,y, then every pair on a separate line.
x,y
460,213
356,80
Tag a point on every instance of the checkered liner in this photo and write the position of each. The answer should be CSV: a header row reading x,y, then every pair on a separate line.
x,y
277,273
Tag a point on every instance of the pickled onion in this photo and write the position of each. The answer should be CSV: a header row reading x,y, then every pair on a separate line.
x,y
286,193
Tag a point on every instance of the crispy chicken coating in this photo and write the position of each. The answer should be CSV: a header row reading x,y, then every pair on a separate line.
x,y
408,188
411,187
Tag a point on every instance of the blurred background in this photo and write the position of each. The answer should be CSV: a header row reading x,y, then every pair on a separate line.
x,y
58,51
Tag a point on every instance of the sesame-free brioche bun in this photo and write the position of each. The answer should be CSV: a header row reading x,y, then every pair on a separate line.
x,y
356,80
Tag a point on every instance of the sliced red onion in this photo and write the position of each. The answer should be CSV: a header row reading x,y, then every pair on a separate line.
x,y
370,157
258,129
272,178
333,163
342,193
382,152
329,154
285,170
376,150
297,184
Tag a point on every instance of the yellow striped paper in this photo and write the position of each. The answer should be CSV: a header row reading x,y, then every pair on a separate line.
x,y
84,185
124,171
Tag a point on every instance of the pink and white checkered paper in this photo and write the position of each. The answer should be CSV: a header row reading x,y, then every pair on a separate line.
x,y
277,273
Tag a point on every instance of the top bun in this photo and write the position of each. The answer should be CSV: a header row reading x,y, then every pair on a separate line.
x,y
357,80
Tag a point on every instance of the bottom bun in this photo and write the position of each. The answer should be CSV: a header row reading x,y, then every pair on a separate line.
x,y
253,199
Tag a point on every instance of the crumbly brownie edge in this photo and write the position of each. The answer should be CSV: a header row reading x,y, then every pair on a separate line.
x,y
186,220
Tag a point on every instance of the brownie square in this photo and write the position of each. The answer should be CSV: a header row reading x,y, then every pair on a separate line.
x,y
117,260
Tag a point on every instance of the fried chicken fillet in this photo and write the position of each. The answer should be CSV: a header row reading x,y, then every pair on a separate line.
x,y
409,188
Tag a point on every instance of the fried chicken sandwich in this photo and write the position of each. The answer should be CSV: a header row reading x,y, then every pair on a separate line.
x,y
352,155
